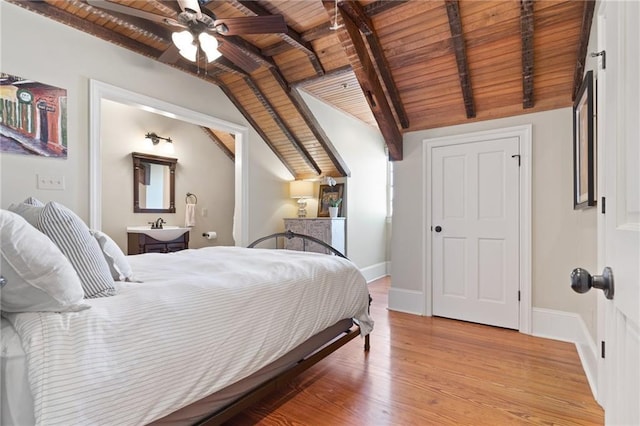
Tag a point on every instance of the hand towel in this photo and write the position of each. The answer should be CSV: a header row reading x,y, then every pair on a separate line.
x,y
190,215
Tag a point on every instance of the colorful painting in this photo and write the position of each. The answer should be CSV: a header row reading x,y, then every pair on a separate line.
x,y
33,117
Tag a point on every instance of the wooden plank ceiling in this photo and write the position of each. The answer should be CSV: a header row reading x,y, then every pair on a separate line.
x,y
399,65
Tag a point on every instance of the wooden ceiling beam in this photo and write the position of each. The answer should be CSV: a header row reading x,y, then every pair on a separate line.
x,y
225,149
225,64
292,37
255,126
313,124
358,16
526,33
585,31
365,72
282,125
457,38
317,32
276,49
381,6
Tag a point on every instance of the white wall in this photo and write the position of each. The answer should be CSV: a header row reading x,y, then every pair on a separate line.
x,y
202,169
61,56
362,148
562,238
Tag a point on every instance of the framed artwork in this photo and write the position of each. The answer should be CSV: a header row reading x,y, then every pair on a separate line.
x,y
584,146
326,195
33,118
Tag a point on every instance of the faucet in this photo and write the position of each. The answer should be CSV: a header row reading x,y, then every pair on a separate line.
x,y
157,224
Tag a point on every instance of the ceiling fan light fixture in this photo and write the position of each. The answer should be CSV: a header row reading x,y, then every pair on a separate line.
x,y
209,44
185,43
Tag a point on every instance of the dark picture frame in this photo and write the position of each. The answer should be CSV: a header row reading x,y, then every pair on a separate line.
x,y
326,193
584,146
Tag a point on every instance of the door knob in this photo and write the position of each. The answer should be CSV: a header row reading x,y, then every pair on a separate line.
x,y
582,281
438,228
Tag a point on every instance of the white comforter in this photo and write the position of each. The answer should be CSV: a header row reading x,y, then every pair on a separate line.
x,y
200,320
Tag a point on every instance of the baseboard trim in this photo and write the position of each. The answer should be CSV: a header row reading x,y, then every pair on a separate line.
x,y
408,301
373,272
569,327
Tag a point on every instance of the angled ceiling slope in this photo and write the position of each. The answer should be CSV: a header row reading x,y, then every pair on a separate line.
x,y
398,65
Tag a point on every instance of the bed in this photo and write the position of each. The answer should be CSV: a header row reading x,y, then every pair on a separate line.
x,y
192,338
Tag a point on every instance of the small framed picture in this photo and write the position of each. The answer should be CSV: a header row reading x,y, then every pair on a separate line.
x,y
584,146
329,195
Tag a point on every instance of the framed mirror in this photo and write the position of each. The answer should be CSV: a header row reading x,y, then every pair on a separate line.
x,y
154,183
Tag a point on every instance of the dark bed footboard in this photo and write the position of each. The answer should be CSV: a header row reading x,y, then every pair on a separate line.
x,y
305,238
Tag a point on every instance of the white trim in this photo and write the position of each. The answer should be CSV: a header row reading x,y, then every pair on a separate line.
x,y
408,301
373,272
523,133
569,327
99,90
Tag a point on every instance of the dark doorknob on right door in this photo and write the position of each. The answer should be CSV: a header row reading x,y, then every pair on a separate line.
x,y
438,228
582,281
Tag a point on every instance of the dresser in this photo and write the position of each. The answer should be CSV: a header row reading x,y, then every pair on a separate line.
x,y
329,230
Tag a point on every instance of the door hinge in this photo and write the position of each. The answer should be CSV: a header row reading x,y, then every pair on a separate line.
x,y
603,205
602,349
518,295
519,159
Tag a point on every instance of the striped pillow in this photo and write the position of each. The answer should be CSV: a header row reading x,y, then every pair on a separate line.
x,y
73,238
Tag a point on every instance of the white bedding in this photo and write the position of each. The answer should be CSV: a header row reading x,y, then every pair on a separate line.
x,y
200,320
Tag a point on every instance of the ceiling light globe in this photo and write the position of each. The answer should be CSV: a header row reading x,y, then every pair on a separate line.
x,y
209,44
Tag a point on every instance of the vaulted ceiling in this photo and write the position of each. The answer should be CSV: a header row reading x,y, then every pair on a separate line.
x,y
398,65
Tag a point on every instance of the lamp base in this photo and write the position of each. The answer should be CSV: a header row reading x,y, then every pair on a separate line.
x,y
302,207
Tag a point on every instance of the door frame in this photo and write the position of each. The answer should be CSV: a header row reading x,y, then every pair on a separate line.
x,y
523,133
99,90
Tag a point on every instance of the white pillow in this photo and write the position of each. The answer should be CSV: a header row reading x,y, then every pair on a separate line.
x,y
117,261
73,238
39,277
30,212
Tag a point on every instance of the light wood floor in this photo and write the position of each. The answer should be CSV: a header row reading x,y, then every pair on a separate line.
x,y
435,371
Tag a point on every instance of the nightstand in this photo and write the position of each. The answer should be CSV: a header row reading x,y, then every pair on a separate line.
x,y
327,229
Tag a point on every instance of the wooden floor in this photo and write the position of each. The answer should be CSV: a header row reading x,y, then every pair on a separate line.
x,y
435,371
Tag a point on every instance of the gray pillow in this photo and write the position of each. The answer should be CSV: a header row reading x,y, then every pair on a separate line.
x,y
30,212
73,238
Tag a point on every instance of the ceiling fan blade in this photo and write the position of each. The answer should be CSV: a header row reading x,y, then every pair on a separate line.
x,y
171,55
252,25
190,6
132,11
238,57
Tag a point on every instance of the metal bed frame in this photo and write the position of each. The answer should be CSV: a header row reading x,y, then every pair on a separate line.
x,y
290,234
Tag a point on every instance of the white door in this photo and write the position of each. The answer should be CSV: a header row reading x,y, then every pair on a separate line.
x,y
619,228
475,229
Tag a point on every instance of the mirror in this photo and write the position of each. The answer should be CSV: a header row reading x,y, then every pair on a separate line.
x,y
154,179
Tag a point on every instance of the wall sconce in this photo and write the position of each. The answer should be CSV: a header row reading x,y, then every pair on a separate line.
x,y
301,189
155,139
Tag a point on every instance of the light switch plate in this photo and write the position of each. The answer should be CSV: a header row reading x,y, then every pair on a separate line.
x,y
50,182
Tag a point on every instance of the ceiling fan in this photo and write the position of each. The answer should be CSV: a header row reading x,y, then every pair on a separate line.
x,y
198,30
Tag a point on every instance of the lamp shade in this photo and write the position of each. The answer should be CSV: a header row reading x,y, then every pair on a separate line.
x,y
184,41
301,189
209,44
